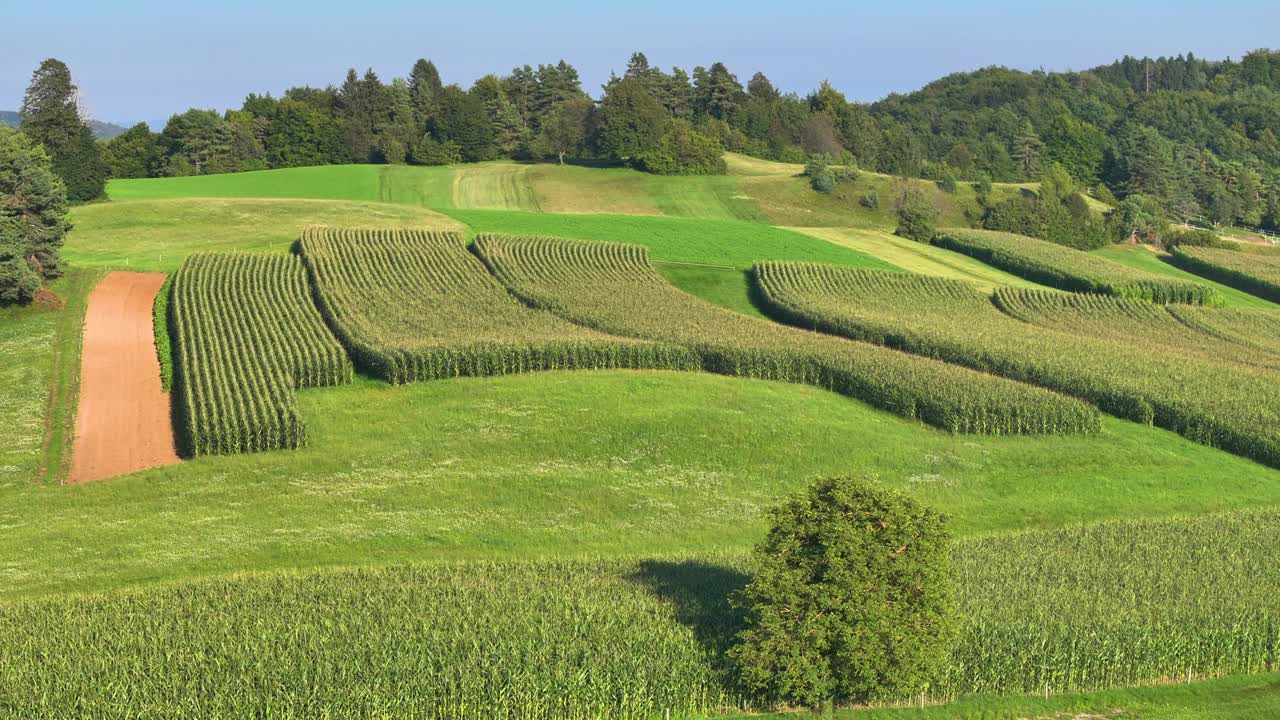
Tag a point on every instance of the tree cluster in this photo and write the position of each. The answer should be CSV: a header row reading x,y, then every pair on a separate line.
x,y
51,117
1200,137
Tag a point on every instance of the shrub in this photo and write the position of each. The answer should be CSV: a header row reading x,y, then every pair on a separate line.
x,y
851,597
947,183
429,151
683,151
1197,237
915,215
870,200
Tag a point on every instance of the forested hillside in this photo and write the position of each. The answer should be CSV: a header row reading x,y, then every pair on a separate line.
x,y
1197,136
101,130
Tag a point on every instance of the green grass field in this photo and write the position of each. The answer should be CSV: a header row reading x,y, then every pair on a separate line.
x,y
1254,697
614,466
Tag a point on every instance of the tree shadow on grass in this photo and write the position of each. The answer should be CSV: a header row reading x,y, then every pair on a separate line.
x,y
699,591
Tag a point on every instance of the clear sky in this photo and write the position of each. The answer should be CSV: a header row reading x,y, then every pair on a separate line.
x,y
146,59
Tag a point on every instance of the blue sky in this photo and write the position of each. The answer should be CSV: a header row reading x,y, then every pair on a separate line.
x,y
145,59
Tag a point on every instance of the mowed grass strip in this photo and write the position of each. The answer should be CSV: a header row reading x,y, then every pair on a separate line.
x,y
246,336
917,257
159,234
1039,614
1130,358
413,305
715,242
1068,269
494,186
613,288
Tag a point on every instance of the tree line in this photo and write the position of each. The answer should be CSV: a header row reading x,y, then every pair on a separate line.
x,y
1197,137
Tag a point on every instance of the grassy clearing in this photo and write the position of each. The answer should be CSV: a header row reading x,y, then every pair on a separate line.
x,y
917,257
718,242
565,464
1143,257
159,234
727,287
473,639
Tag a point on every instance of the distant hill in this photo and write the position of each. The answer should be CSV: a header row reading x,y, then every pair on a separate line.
x,y
103,130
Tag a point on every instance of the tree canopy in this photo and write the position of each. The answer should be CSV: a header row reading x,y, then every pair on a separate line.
x,y
33,209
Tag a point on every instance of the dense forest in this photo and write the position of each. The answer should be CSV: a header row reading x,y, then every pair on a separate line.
x,y
1197,137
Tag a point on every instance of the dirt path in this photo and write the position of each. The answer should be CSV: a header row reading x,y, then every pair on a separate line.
x,y
123,422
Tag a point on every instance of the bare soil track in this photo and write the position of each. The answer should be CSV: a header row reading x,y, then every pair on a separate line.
x,y
123,423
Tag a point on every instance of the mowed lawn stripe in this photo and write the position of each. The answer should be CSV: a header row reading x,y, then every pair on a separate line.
x,y
917,257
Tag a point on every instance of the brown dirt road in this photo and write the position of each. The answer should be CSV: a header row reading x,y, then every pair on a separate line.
x,y
123,421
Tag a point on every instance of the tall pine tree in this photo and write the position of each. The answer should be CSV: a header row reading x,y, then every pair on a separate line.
x,y
51,117
33,209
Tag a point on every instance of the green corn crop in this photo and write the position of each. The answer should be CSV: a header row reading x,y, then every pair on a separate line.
x,y
1180,367
1072,270
613,288
246,334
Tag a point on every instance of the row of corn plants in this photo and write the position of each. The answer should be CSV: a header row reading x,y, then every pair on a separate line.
x,y
417,305
1132,359
1073,270
1057,611
246,335
613,288
1254,273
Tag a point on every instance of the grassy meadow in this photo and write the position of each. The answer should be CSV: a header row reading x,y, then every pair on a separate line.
x,y
641,490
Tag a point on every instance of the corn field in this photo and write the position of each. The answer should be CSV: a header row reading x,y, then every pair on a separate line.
x,y
614,289
1072,270
1254,273
246,335
416,305
1066,610
1135,360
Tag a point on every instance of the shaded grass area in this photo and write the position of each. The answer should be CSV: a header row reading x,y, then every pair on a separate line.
x,y
720,242
1143,258
568,464
1250,697
159,234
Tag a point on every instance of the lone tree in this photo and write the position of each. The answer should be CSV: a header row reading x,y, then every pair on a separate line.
x,y
33,209
851,598
51,117
915,215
